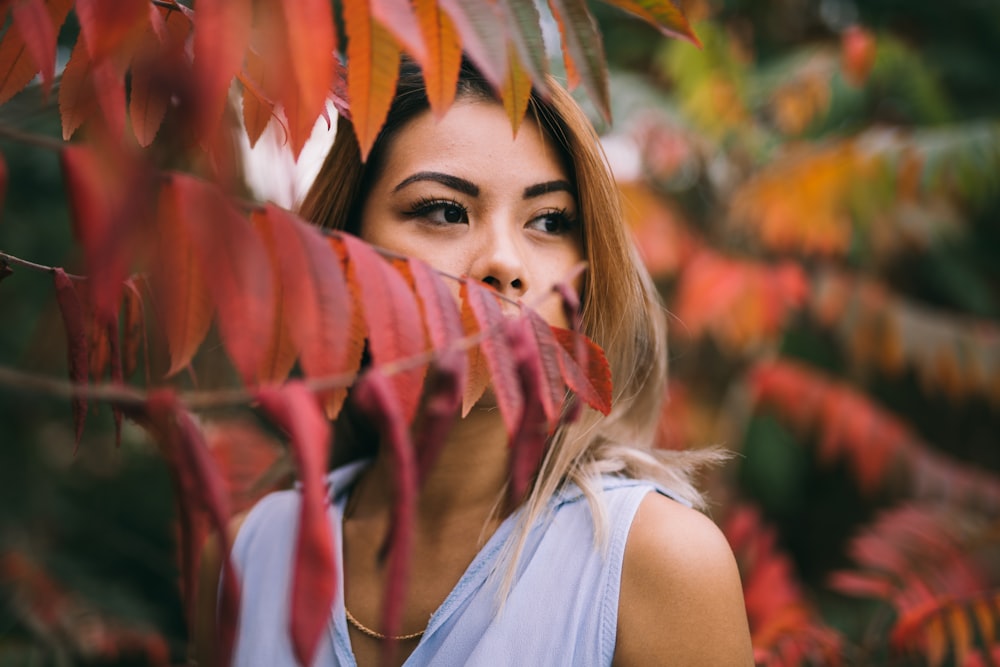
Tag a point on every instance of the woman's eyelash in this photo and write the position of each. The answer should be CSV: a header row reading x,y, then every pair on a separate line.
x,y
427,205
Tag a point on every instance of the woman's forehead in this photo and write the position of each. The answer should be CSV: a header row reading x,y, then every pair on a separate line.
x,y
474,137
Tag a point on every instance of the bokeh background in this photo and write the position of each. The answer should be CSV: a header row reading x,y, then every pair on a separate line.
x,y
816,192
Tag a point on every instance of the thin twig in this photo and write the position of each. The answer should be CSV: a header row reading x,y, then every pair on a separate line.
x,y
39,140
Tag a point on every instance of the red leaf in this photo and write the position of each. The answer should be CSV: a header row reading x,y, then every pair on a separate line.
x,y
32,20
499,357
234,262
317,308
528,444
551,389
17,66
447,380
109,85
376,395
112,28
593,383
258,109
181,298
444,54
295,410
479,374
134,329
200,486
221,35
390,314
373,68
77,101
76,343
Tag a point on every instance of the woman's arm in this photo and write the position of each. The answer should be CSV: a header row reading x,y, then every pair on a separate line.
x,y
681,601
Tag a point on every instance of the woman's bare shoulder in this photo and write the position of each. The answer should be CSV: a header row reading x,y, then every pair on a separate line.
x,y
681,600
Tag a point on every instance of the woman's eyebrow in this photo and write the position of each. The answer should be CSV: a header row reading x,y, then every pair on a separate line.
x,y
540,189
447,180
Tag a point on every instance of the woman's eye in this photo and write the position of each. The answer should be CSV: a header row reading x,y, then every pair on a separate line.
x,y
442,212
556,222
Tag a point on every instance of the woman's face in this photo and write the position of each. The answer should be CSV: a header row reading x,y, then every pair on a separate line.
x,y
466,196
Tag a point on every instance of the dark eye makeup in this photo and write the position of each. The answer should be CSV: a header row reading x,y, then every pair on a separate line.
x,y
439,211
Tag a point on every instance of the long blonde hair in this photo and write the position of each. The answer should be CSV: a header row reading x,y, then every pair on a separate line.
x,y
622,311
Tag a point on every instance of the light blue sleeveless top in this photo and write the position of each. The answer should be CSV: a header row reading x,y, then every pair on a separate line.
x,y
562,608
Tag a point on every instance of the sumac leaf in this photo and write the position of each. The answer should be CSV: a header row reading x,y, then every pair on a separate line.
x,y
294,408
221,35
258,109
134,327
32,20
444,54
76,343
590,379
17,66
112,28
583,51
391,316
181,298
499,357
399,18
200,488
236,269
373,68
665,15
77,101
483,34
529,442
158,59
516,90
551,389
376,395
479,373
525,34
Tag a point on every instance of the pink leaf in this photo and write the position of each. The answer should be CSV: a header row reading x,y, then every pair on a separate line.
x,y
591,379
295,409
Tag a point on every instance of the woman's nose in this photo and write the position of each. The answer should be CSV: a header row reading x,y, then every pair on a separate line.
x,y
500,263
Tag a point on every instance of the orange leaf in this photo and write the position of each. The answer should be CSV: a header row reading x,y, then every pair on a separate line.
x,y
17,66
290,301
77,101
180,293
257,108
221,35
32,20
112,28
444,55
516,90
391,315
961,633
663,14
479,374
311,44
372,71
234,263
109,86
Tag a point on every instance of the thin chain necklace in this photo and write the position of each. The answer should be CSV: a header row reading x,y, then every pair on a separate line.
x,y
364,629
374,634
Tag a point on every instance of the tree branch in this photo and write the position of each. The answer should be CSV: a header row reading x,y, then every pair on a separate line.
x,y
38,140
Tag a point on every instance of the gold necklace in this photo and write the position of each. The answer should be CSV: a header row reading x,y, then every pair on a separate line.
x,y
374,634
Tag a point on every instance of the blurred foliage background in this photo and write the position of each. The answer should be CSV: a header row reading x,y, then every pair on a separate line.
x,y
816,193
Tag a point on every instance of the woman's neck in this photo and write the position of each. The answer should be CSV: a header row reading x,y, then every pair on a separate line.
x,y
467,478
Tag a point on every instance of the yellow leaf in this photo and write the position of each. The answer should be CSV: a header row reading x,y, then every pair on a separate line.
x,y
516,90
444,54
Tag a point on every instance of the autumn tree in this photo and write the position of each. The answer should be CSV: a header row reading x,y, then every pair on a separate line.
x,y
816,193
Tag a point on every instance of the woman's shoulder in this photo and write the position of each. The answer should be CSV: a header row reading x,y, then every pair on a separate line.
x,y
681,598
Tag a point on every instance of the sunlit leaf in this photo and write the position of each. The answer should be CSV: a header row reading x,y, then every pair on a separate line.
x,y
391,315
373,68
666,15
444,54
583,51
516,90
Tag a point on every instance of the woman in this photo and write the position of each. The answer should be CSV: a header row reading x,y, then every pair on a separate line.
x,y
594,567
